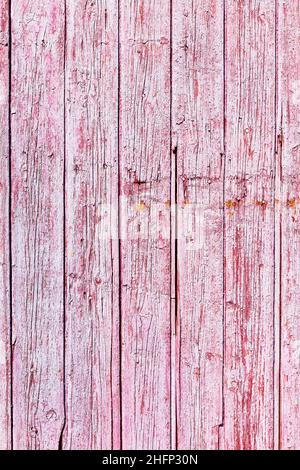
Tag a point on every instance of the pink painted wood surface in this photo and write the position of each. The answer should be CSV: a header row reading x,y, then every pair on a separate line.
x,y
145,223
249,225
288,153
92,302
149,209
5,366
197,64
37,162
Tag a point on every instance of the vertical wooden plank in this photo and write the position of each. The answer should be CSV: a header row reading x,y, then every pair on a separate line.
x,y
249,224
37,222
145,222
92,304
5,366
198,145
288,152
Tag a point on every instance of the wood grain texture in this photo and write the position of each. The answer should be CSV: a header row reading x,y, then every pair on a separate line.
x,y
198,145
92,303
5,365
37,222
149,224
145,222
288,154
249,224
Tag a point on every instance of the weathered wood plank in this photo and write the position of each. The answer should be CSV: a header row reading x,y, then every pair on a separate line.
x,y
37,222
288,174
145,222
5,365
198,145
235,378
249,224
92,303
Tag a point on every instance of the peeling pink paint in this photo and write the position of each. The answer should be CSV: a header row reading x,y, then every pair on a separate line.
x,y
149,342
